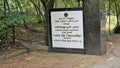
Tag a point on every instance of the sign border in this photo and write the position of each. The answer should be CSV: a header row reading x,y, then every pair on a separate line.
x,y
63,50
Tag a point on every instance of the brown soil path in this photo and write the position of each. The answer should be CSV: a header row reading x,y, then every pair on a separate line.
x,y
45,59
113,60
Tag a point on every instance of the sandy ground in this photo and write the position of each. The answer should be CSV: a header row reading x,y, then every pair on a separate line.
x,y
45,59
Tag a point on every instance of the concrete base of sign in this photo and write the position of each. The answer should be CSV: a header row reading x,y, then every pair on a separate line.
x,y
64,50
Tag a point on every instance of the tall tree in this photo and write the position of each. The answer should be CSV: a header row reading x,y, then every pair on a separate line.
x,y
116,6
48,4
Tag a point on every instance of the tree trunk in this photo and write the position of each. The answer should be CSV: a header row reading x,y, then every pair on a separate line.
x,y
47,5
117,28
117,12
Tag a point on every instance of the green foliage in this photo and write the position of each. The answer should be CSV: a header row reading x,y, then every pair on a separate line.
x,y
68,3
113,23
13,12
10,19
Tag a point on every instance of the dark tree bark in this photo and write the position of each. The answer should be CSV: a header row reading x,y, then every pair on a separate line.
x,y
48,4
117,9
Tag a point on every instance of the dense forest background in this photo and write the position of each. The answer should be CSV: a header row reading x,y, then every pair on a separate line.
x,y
22,13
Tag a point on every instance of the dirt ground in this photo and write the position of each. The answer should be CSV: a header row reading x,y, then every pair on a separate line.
x,y
45,59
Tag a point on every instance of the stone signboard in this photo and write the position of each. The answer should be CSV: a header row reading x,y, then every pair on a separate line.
x,y
78,30
66,29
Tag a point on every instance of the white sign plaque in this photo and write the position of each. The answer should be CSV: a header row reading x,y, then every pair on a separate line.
x,y
67,29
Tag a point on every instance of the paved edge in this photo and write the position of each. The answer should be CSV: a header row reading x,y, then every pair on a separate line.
x,y
13,54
